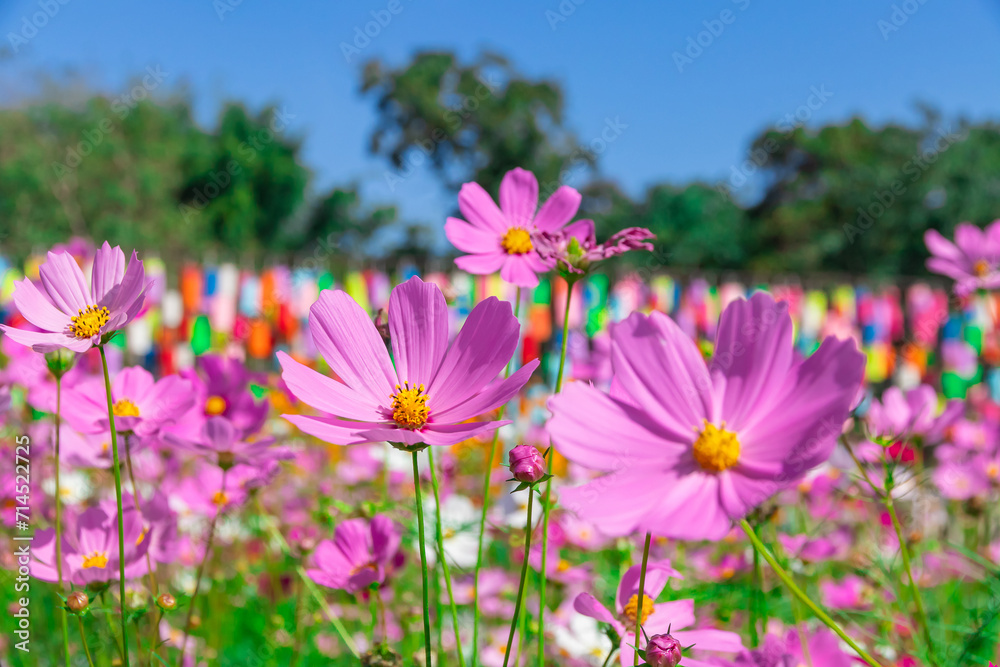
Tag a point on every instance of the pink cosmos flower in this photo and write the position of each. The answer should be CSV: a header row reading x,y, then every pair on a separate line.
x,y
70,314
221,441
501,238
358,555
435,388
972,260
141,404
691,447
657,617
221,388
913,415
575,247
90,548
824,651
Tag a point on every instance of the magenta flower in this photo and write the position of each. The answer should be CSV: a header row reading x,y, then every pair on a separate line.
x,y
435,387
141,404
358,556
221,441
221,388
914,415
70,314
691,447
526,464
657,617
501,238
824,651
575,248
973,260
90,548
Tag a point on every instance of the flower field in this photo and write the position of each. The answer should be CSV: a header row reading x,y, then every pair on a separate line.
x,y
528,460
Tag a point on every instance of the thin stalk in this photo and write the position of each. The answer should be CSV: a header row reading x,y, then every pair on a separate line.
x,y
59,560
796,609
548,486
83,638
149,560
116,466
201,571
443,559
423,561
381,610
524,575
641,596
801,595
607,660
755,592
904,551
487,475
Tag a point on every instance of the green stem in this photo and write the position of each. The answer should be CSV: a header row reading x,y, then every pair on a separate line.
x,y
800,594
914,591
423,561
796,609
201,571
439,533
487,475
524,575
118,499
83,638
548,485
155,632
59,559
755,592
641,596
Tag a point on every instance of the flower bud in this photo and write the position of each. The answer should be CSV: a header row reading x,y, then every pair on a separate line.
x,y
166,602
526,464
77,601
663,651
60,361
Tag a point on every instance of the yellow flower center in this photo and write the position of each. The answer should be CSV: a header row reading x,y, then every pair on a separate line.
x,y
981,267
96,559
516,241
87,323
716,449
562,566
141,537
215,405
993,470
409,406
633,607
125,408
220,498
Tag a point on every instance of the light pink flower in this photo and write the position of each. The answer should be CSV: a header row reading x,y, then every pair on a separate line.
x,y
434,389
973,260
500,239
359,554
691,447
71,314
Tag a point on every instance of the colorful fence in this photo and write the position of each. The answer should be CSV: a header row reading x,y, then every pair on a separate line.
x,y
907,333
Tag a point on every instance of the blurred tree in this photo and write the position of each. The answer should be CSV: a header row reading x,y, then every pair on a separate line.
x,y
470,122
337,227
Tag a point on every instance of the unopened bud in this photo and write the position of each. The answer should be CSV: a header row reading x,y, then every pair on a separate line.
x,y
663,651
526,464
60,361
166,602
77,601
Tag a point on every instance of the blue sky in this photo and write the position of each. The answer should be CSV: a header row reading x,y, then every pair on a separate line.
x,y
613,59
